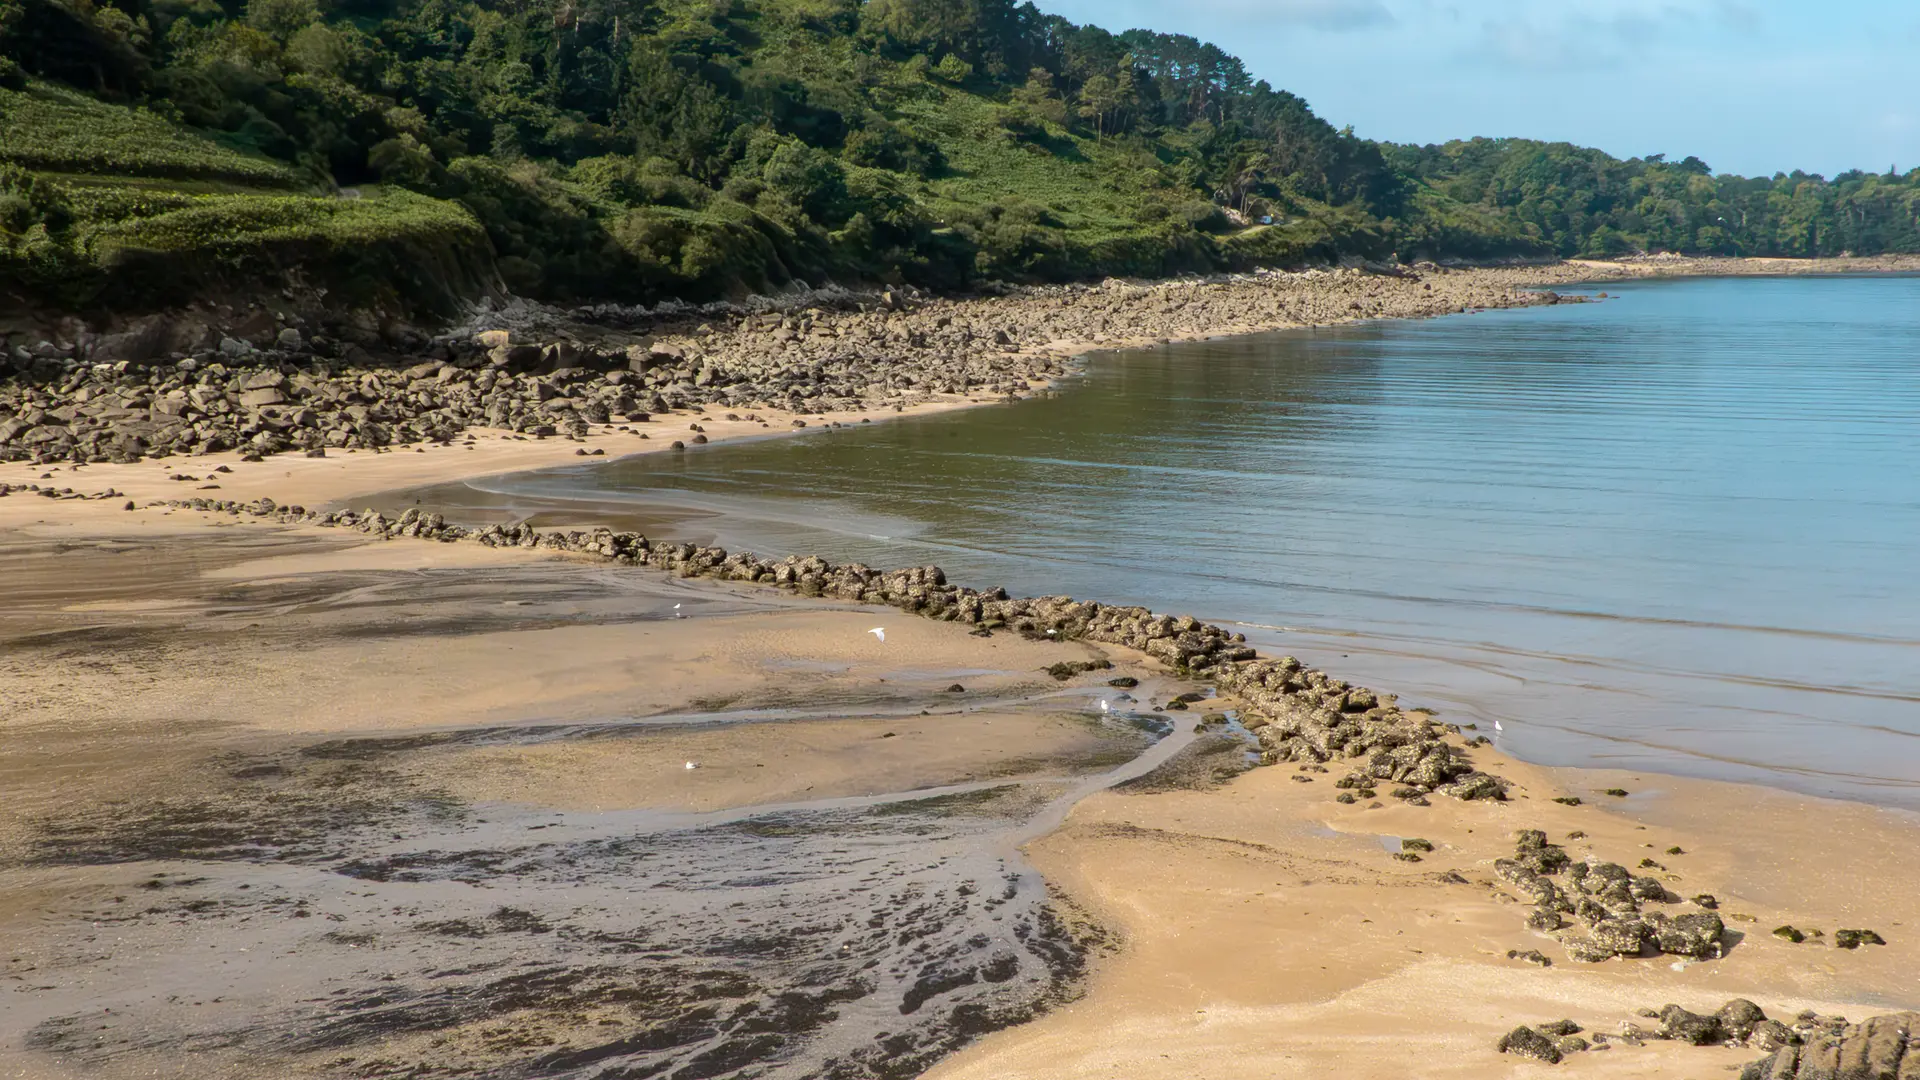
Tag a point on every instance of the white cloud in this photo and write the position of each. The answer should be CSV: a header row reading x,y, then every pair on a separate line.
x,y
1331,15
1568,39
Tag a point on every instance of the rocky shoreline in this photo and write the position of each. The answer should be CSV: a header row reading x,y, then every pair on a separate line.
x,y
1296,713
266,382
1813,1047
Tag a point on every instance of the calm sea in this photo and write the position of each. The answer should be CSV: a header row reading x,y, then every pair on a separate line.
x,y
1676,530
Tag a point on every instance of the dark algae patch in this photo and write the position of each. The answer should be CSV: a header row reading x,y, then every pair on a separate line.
x,y
260,811
399,933
1208,762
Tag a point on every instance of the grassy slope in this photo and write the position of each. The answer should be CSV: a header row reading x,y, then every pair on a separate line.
x,y
1106,195
53,129
147,211
1082,183
150,212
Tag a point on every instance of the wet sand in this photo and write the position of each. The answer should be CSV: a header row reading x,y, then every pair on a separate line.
x,y
425,806
286,802
283,803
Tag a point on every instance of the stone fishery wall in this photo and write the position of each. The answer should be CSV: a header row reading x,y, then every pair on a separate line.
x,y
1298,714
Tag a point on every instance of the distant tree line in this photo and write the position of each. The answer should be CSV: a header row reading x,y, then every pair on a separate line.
x,y
1580,201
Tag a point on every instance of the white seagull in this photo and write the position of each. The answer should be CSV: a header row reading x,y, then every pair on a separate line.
x,y
692,765
879,632
1104,707
676,612
1497,727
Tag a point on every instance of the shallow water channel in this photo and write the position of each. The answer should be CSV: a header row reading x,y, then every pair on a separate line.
x,y
204,900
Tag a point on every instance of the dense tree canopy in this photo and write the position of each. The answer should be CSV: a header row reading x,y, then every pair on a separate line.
x,y
1583,202
624,148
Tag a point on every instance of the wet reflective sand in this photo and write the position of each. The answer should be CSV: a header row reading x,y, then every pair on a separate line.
x,y
216,861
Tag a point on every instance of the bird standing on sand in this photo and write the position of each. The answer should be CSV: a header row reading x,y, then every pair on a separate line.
x,y
692,765
879,632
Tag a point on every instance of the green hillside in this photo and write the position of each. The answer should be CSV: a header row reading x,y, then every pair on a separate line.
x,y
110,202
632,149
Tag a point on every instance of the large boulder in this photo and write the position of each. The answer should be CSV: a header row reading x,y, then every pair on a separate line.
x,y
1740,1017
1696,935
517,359
1477,785
1689,1027
1853,939
1622,937
137,344
1527,1042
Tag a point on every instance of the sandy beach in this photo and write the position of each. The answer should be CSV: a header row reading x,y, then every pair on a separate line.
x,y
450,809
1267,932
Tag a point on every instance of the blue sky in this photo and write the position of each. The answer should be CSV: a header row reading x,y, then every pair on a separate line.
x,y
1751,86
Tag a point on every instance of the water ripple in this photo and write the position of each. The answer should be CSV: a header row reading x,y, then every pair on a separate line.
x,y
1703,498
